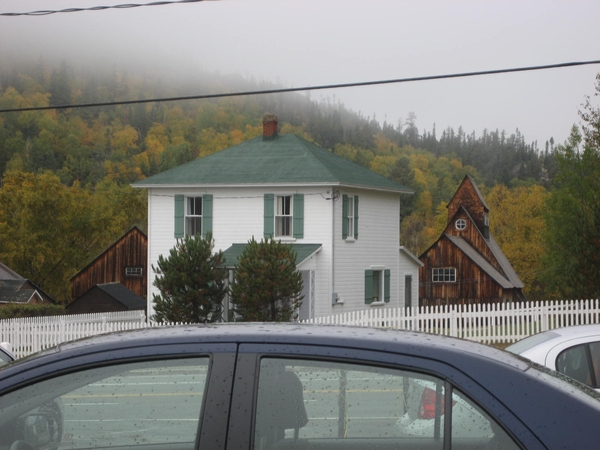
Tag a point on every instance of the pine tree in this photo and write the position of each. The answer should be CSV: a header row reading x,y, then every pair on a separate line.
x,y
267,285
191,282
572,235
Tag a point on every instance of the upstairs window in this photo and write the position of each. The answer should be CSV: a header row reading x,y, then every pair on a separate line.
x,y
349,216
193,216
444,275
283,216
461,224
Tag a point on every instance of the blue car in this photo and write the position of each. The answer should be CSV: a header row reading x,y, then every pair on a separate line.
x,y
289,386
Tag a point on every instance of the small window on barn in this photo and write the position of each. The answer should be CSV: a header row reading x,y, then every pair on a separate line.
x,y
461,224
444,275
134,271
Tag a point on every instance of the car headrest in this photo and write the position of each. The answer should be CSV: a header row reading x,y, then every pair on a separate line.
x,y
291,412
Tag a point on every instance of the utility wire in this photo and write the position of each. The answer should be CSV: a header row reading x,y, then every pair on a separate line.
x,y
97,8
308,88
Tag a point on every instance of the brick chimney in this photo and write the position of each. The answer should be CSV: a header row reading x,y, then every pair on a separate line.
x,y
269,127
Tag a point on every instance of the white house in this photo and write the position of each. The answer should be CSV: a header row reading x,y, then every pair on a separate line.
x,y
342,219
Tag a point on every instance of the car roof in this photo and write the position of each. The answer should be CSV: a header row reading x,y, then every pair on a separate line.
x,y
419,344
548,339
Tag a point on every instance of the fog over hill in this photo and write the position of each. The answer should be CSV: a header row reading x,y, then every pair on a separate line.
x,y
313,42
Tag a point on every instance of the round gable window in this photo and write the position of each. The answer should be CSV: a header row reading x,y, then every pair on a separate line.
x,y
461,224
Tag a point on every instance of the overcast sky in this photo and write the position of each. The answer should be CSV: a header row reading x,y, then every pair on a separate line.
x,y
316,42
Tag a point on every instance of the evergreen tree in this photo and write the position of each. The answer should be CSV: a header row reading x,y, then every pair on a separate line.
x,y
191,282
573,218
267,285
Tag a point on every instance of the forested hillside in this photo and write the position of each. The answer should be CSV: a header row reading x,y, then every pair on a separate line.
x,y
65,173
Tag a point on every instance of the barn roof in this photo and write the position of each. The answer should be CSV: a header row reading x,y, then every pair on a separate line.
x,y
481,262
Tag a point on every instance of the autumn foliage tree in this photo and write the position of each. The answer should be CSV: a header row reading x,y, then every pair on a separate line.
x,y
191,282
267,287
517,224
49,231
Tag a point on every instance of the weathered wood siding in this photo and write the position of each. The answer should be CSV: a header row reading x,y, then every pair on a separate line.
x,y
467,197
129,251
473,236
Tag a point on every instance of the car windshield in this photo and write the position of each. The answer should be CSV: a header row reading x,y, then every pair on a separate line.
x,y
529,342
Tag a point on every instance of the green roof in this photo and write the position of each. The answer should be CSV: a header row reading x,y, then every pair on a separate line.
x,y
303,251
286,159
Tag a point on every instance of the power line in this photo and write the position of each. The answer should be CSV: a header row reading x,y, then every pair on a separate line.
x,y
308,88
97,8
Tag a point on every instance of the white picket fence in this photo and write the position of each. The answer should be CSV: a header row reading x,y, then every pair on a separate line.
x,y
487,323
32,334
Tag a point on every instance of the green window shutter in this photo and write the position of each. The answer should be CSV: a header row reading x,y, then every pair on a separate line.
x,y
207,214
179,213
344,216
298,227
386,285
269,214
368,286
356,217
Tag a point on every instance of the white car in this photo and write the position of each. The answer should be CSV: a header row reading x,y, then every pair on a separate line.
x,y
6,354
573,351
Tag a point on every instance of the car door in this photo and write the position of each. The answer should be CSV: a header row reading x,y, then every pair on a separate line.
x,y
292,396
159,397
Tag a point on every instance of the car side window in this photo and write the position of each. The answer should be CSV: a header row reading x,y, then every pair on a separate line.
x,y
574,363
595,356
4,358
126,405
310,404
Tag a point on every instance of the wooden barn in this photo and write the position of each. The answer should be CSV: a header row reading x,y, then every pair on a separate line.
x,y
125,262
466,265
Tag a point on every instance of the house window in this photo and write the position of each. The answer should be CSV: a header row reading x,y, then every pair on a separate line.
x,y
377,286
283,216
349,216
444,275
133,271
193,216
461,224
